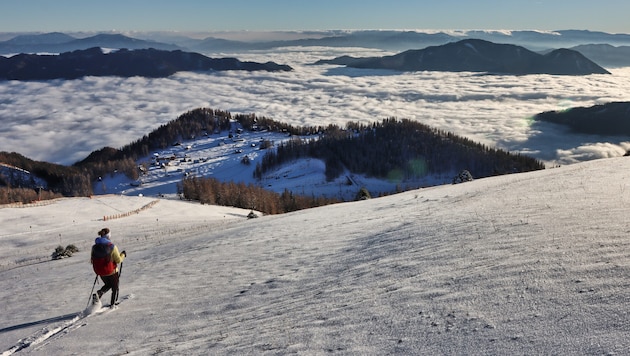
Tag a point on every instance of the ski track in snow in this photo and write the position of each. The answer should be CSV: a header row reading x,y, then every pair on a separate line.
x,y
40,339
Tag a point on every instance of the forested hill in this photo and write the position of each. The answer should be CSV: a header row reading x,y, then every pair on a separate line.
x,y
473,55
400,149
606,119
123,63
392,149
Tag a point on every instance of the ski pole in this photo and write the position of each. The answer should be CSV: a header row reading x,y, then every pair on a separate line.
x,y
118,289
90,297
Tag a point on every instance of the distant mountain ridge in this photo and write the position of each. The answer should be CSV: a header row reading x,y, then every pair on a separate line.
x,y
393,40
478,56
605,54
383,39
39,39
123,63
402,40
56,42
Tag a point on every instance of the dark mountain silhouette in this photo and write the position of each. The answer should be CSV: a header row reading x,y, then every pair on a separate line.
x,y
607,119
544,40
346,60
123,63
479,56
56,42
117,41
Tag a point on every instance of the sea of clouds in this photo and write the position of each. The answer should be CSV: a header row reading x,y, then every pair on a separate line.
x,y
63,121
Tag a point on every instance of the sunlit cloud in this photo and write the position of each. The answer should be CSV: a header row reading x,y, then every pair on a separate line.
x,y
63,121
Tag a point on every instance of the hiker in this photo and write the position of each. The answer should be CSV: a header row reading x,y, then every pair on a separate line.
x,y
105,260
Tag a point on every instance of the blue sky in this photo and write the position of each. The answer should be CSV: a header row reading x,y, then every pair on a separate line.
x,y
253,15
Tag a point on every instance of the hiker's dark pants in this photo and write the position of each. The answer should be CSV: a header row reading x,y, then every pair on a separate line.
x,y
110,282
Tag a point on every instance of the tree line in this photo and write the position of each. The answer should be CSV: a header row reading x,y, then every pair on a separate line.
x,y
406,148
214,192
189,125
64,180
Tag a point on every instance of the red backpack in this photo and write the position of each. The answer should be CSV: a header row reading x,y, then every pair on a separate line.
x,y
102,259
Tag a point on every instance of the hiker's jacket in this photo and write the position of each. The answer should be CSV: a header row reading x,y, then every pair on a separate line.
x,y
109,265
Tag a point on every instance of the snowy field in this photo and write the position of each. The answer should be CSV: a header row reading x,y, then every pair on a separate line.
x,y
533,263
219,156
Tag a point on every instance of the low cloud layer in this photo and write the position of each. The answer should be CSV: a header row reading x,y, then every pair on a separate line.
x,y
63,121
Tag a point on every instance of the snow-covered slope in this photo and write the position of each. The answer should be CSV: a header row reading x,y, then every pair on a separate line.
x,y
533,263
220,156
18,177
